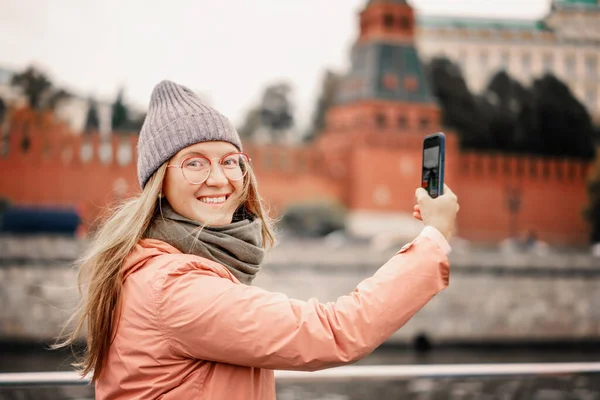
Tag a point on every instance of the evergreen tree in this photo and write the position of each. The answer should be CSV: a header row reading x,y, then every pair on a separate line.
x,y
120,113
272,119
92,121
276,109
3,110
564,126
35,86
460,109
544,119
329,89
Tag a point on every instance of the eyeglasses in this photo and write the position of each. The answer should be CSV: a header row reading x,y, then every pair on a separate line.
x,y
197,169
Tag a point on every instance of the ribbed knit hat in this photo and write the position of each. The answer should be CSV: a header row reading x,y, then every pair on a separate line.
x,y
176,119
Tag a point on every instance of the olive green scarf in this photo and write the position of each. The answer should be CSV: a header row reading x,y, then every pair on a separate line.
x,y
237,246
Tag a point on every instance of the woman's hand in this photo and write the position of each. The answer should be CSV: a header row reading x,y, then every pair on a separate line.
x,y
439,213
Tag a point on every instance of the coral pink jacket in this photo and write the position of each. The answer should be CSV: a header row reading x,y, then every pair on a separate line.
x,y
189,330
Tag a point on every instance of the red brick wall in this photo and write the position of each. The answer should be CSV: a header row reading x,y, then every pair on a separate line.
x,y
52,173
553,195
296,175
378,171
372,24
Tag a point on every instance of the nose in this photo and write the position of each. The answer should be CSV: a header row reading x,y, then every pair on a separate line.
x,y
216,176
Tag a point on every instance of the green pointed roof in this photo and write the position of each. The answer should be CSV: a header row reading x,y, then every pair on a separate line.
x,y
385,71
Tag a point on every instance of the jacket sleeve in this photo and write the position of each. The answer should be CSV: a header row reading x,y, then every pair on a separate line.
x,y
210,318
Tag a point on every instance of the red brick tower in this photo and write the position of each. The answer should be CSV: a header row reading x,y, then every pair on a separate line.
x,y
384,108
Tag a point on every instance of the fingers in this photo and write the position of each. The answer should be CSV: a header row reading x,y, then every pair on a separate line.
x,y
448,191
421,195
417,212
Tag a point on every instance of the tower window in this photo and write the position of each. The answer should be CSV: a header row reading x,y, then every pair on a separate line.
x,y
570,64
591,66
388,21
411,84
548,61
505,60
364,25
526,63
390,81
404,23
590,98
402,123
484,59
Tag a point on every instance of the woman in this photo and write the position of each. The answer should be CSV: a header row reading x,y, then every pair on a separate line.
x,y
169,309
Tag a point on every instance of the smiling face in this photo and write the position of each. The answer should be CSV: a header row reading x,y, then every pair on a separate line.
x,y
212,202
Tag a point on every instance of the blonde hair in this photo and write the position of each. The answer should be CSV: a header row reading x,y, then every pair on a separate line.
x,y
100,278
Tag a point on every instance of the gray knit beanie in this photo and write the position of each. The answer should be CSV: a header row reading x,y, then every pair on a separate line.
x,y
176,119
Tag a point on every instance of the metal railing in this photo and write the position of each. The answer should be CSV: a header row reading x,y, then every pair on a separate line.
x,y
374,372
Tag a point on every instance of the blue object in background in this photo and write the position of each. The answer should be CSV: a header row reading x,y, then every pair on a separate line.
x,y
34,220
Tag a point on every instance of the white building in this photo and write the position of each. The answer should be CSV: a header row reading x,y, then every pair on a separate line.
x,y
9,93
74,111
566,43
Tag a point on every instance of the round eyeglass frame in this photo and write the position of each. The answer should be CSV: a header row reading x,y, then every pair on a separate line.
x,y
180,166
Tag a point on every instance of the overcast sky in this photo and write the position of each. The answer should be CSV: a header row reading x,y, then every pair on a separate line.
x,y
228,50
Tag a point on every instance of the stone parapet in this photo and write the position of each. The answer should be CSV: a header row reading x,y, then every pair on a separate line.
x,y
490,298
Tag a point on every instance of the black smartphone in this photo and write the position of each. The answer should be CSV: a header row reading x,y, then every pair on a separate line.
x,y
434,154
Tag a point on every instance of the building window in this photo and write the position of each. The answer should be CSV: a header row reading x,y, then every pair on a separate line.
x,y
546,170
364,25
483,59
526,63
302,163
532,168
390,81
381,121
548,61
404,23
520,167
506,166
425,123
570,64
462,60
411,84
591,98
284,162
26,144
505,60
359,120
267,160
591,66
493,165
388,21
571,171
402,123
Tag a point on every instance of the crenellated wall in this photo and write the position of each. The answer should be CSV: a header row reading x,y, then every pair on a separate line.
x,y
365,170
551,197
55,168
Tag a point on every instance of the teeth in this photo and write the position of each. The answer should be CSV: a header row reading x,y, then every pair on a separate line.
x,y
213,200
